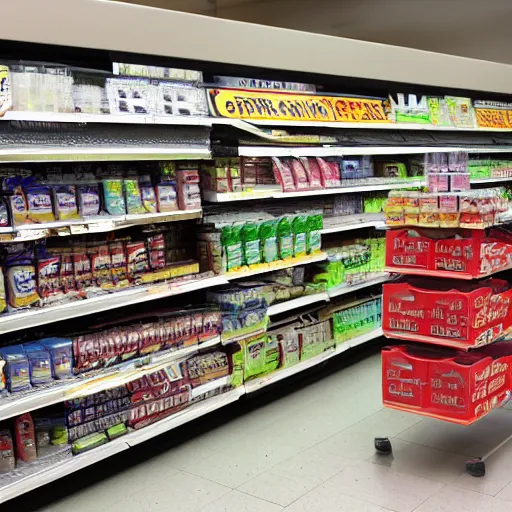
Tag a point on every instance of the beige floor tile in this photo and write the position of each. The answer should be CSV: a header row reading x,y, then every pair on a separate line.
x,y
385,487
236,501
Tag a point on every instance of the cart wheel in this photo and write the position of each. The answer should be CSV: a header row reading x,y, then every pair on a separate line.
x,y
383,445
475,467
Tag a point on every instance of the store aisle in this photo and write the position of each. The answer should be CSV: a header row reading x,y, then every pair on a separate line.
x,y
301,450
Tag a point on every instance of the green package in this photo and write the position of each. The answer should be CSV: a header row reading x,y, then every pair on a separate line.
x,y
88,442
133,197
251,243
232,246
268,240
116,431
314,234
284,238
261,356
300,229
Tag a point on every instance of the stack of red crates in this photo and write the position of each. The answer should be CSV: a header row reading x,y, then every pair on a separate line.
x,y
447,382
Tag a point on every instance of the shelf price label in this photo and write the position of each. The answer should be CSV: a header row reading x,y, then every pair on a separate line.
x,y
285,106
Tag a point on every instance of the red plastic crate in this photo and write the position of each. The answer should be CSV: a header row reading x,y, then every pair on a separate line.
x,y
450,385
470,316
463,254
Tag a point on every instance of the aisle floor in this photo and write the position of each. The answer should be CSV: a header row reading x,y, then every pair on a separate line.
x,y
307,450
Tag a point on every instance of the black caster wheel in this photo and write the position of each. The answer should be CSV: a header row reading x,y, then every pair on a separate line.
x,y
383,445
475,467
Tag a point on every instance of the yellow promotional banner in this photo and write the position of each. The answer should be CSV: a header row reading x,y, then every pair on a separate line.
x,y
285,106
494,117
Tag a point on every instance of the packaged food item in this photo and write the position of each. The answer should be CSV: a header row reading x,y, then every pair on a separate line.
x,y
148,194
67,272
89,200
461,111
330,169
313,171
4,213
39,203
166,197
101,264
116,431
299,228
300,176
156,247
48,278
113,197
21,286
283,174
17,371
251,243
284,238
88,442
232,246
7,459
137,258
314,233
17,201
61,356
133,197
268,239
39,363
3,297
82,268
64,198
189,193
119,265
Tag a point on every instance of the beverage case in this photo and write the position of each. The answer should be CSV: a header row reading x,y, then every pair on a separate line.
x,y
453,314
446,384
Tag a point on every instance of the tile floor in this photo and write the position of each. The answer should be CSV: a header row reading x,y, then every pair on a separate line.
x,y
305,449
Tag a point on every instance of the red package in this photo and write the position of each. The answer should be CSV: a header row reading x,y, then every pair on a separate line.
x,y
48,277
119,266
313,171
331,173
283,174
25,438
67,273
137,257
156,246
82,270
300,176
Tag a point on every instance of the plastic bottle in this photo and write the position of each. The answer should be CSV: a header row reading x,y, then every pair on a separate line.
x,y
284,238
314,238
300,229
268,240
251,243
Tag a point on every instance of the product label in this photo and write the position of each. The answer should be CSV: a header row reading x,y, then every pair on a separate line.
x,y
252,252
242,104
286,247
300,244
270,250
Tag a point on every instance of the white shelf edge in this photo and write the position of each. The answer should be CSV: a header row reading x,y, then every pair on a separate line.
x,y
351,226
289,305
292,262
278,375
46,315
215,197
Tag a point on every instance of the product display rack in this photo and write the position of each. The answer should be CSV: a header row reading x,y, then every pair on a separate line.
x,y
415,68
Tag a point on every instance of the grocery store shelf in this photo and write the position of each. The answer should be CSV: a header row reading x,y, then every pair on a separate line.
x,y
100,224
490,180
370,185
263,268
261,382
351,222
94,153
380,277
329,151
60,470
102,380
46,315
183,417
297,303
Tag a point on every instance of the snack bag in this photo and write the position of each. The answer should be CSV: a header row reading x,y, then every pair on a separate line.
x,y
119,263
268,240
39,203
48,278
299,228
21,286
67,272
101,264
232,246
64,197
133,198
313,171
88,200
39,363
251,243
82,269
61,356
284,238
17,201
137,258
331,174
300,176
283,174
4,213
17,370
148,195
113,196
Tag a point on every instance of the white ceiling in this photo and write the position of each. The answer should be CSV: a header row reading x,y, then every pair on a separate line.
x,y
470,28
